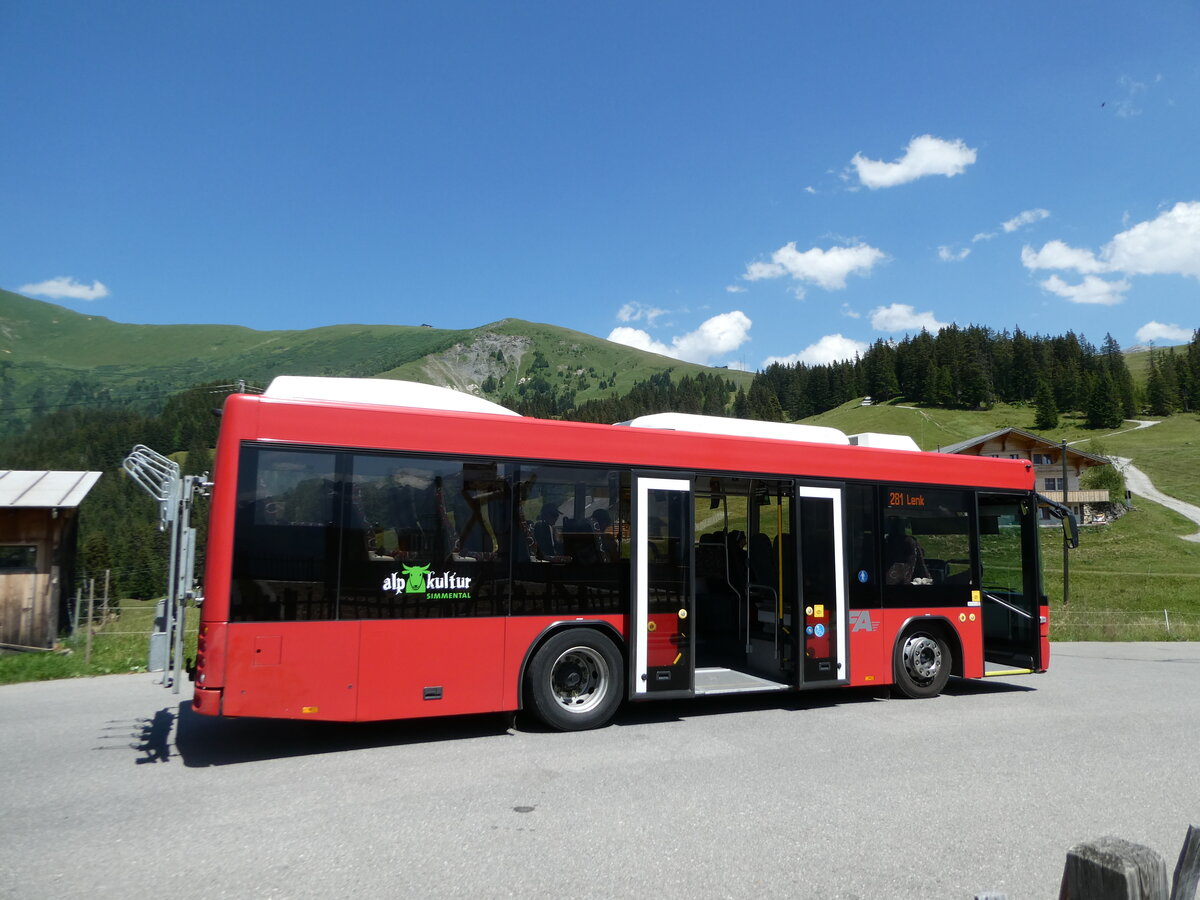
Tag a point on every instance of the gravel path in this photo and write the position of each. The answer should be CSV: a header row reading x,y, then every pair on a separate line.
x,y
1141,485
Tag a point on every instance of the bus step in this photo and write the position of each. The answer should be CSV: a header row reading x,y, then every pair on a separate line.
x,y
995,673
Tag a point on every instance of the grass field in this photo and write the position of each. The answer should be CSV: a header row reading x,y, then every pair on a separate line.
x,y
120,644
1122,578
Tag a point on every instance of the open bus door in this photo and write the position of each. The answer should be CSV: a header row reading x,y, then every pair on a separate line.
x,y
663,662
1015,627
822,586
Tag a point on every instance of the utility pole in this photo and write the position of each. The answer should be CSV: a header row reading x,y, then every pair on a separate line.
x,y
1066,539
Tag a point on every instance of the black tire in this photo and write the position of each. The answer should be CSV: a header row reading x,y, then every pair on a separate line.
x,y
922,663
576,680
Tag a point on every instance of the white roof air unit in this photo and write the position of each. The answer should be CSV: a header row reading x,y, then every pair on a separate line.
x,y
780,431
380,392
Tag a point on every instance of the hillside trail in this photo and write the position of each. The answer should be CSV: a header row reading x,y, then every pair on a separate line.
x,y
1139,482
1141,485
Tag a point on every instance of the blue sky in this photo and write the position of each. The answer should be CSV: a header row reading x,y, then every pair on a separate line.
x,y
727,183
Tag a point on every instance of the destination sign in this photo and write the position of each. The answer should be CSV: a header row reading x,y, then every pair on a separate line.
x,y
905,499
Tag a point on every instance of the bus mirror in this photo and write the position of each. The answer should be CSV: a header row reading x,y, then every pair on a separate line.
x,y
1064,515
1070,530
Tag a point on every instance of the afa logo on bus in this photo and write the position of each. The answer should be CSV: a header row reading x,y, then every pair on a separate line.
x,y
420,580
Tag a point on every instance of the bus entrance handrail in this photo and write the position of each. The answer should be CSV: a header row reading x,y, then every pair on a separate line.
x,y
1010,607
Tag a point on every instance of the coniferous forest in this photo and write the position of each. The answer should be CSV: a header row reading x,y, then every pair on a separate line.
x,y
967,368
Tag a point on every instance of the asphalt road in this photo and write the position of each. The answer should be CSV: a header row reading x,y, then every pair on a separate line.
x,y
108,788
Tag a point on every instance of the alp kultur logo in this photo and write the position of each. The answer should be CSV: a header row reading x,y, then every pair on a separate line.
x,y
420,580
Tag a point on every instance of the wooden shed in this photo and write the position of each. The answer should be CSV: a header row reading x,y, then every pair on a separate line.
x,y
39,524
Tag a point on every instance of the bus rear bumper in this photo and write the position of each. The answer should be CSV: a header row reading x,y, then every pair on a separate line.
x,y
207,701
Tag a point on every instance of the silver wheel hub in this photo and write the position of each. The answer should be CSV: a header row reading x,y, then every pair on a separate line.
x,y
922,657
579,679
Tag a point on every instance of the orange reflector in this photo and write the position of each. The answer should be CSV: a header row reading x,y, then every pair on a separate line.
x,y
309,709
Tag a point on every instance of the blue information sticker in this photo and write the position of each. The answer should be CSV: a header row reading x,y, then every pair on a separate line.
x,y
820,631
863,577
809,630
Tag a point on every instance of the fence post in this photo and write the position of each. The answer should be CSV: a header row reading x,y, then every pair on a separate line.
x,y
1168,620
87,656
107,608
1187,870
1110,868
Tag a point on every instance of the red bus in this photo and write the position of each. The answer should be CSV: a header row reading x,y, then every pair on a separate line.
x,y
387,550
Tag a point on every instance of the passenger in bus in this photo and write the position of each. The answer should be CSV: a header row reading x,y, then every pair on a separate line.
x,y
544,532
904,559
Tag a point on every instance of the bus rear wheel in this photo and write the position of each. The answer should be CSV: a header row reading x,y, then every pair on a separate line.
x,y
922,663
575,680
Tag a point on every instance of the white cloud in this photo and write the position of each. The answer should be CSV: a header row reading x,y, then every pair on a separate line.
x,y
983,236
1057,255
902,317
945,254
64,288
925,155
638,339
720,334
1091,290
849,312
825,268
1167,245
635,312
1157,331
829,349
1020,220
734,289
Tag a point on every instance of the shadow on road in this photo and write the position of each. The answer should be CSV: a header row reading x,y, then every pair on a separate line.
x,y
202,741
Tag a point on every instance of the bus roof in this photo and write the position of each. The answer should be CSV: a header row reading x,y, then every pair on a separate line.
x,y
367,426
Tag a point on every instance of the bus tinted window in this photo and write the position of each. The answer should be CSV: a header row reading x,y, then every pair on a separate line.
x,y
322,535
926,540
423,537
286,534
861,518
571,554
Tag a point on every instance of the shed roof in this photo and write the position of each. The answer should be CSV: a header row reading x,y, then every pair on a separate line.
x,y
44,489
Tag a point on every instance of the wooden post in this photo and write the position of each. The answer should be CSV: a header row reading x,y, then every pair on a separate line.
x,y
107,608
1187,870
1113,869
87,656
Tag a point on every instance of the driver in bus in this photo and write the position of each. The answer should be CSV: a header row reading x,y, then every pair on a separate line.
x,y
905,559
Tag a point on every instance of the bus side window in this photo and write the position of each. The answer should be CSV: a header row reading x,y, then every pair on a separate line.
x,y
861,525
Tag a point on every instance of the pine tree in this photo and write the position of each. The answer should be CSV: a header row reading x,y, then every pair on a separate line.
x,y
1104,409
1047,412
1162,387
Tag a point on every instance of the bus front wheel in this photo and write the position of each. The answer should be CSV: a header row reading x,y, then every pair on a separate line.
x,y
575,680
922,663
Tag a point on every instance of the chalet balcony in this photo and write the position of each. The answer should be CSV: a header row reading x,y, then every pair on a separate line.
x,y
1074,498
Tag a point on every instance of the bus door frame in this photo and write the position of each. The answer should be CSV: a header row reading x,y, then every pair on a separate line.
x,y
838,615
662,683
